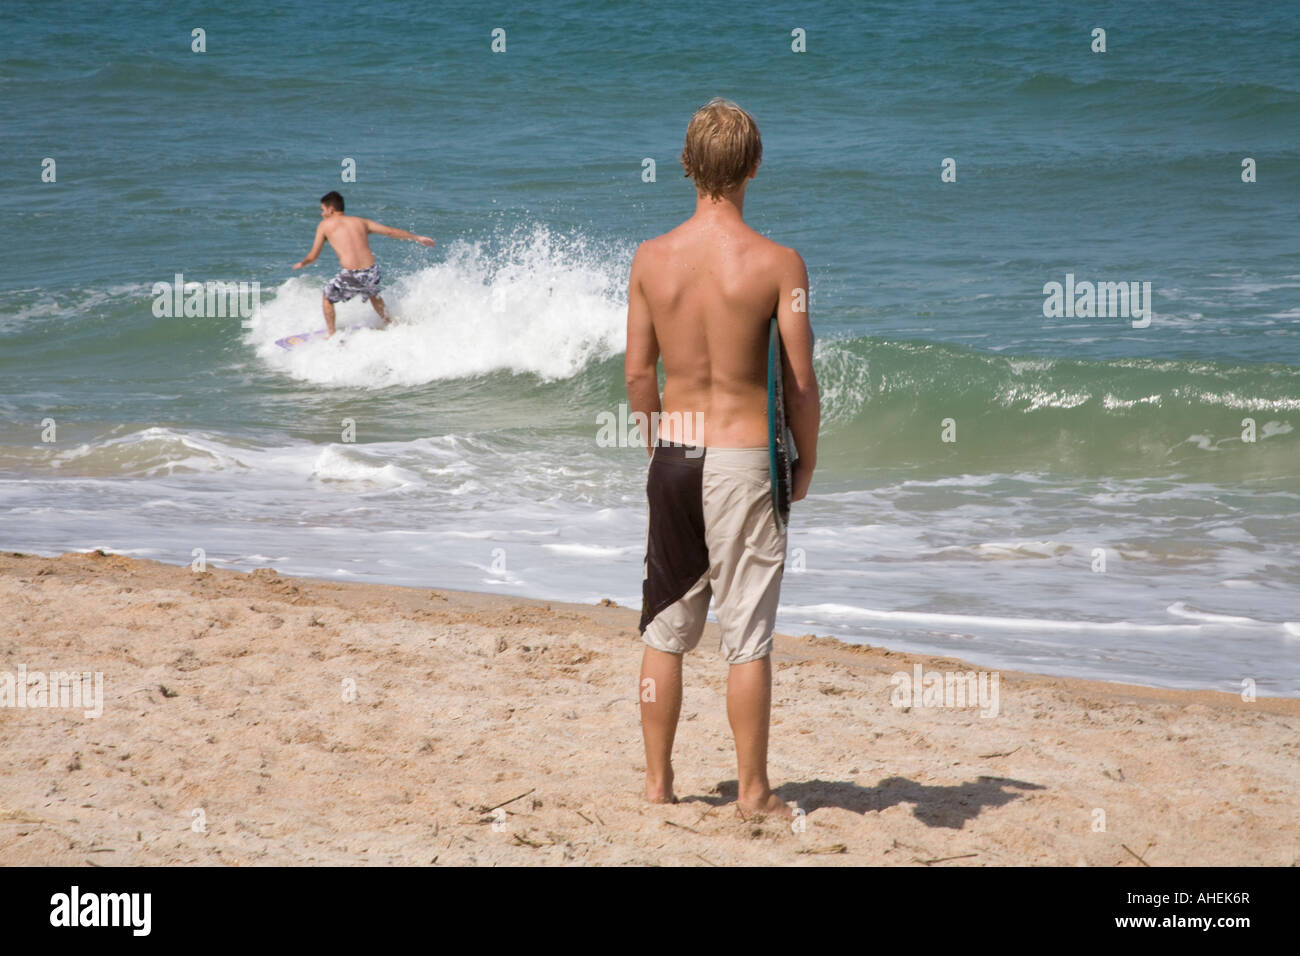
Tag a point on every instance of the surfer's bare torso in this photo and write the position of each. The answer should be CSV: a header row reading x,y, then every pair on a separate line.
x,y
708,288
348,235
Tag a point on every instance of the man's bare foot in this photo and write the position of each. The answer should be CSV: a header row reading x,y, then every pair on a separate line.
x,y
772,806
660,791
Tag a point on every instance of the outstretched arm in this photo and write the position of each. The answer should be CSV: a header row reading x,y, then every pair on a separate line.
x,y
641,360
315,248
391,233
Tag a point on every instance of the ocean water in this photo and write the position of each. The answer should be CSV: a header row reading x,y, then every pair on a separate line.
x,y
1170,452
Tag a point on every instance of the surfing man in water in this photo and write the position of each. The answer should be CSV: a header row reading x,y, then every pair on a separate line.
x,y
358,272
701,297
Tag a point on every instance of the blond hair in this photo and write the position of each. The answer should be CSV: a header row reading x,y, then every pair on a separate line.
x,y
722,146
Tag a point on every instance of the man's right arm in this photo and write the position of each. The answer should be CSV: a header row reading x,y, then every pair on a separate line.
x,y
316,247
641,358
802,397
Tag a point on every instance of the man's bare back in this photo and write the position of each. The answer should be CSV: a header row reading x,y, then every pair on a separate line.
x,y
700,297
348,235
710,286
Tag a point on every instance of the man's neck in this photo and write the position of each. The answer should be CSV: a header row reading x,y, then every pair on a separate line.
x,y
729,206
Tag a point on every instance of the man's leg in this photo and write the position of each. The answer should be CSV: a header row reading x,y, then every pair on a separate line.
x,y
378,303
661,705
748,555
328,307
749,711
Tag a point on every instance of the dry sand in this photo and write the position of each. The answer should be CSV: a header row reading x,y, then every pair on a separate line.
x,y
224,693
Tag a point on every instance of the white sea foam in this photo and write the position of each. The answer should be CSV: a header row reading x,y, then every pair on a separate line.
x,y
590,550
537,303
1039,397
844,379
1022,549
1182,609
344,463
1110,401
150,452
850,612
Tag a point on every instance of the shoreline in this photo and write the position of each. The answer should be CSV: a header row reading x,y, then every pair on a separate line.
x,y
224,693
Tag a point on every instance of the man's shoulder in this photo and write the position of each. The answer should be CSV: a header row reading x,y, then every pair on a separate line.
x,y
771,253
761,246
659,243
651,251
666,245
343,222
761,242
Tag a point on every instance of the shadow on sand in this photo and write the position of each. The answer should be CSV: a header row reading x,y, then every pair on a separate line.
x,y
942,806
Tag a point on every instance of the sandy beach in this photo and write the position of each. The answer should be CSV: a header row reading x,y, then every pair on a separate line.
x,y
259,719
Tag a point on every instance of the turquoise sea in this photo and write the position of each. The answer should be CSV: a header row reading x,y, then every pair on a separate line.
x,y
1170,452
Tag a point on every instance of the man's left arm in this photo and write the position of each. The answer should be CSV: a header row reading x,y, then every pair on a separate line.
x,y
380,229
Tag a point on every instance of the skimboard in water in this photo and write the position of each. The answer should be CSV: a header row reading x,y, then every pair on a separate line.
x,y
302,338
780,442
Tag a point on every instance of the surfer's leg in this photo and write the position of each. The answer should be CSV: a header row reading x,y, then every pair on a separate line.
x,y
661,705
378,303
747,561
674,630
674,603
328,308
336,290
749,711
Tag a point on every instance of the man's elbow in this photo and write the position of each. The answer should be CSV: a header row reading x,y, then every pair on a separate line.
x,y
806,396
639,377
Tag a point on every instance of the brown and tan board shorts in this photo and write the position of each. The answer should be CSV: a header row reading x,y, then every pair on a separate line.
x,y
711,533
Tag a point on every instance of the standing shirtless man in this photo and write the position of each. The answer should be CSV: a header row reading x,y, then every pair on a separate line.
x,y
701,296
359,273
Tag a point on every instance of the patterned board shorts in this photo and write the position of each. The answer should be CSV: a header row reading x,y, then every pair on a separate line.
x,y
353,282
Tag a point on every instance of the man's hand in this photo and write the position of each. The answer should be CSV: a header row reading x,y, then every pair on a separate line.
x,y
800,479
424,240
299,265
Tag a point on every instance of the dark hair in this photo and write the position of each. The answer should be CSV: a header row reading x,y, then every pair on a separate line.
x,y
333,200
